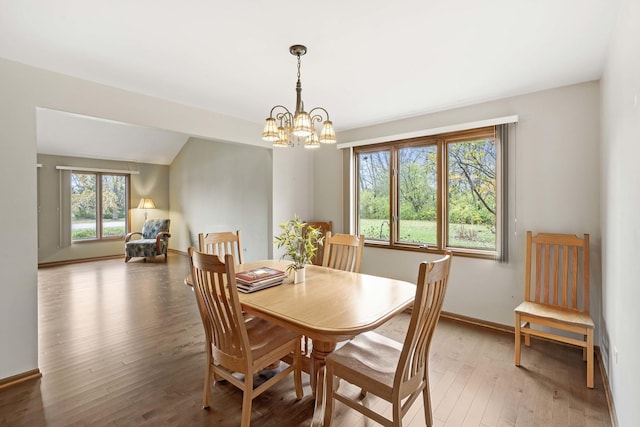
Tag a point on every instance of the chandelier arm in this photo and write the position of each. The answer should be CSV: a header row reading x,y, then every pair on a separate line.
x,y
318,115
279,106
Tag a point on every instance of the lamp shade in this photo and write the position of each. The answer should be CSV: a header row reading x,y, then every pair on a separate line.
x,y
328,134
312,141
270,131
302,124
146,204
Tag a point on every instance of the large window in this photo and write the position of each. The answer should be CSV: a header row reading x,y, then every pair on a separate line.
x,y
432,193
99,205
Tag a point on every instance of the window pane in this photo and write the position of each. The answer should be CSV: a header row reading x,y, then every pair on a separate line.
x,y
373,195
83,206
114,206
472,194
418,194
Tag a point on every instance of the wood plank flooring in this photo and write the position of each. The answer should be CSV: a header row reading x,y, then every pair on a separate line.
x,y
122,345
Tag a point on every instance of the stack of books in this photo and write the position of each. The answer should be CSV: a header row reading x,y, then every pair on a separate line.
x,y
259,278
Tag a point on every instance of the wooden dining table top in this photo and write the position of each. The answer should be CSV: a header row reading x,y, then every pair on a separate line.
x,y
330,305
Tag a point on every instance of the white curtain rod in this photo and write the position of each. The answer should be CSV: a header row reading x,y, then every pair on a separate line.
x,y
74,168
433,131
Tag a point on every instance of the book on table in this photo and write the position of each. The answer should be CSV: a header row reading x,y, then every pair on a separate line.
x,y
259,278
259,274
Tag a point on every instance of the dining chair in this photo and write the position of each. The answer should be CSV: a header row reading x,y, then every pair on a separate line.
x,y
395,372
343,251
235,344
221,243
556,296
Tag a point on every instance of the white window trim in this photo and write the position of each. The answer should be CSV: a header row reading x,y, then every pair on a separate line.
x,y
79,169
432,131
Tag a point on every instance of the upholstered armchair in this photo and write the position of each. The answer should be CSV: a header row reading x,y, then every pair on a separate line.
x,y
153,242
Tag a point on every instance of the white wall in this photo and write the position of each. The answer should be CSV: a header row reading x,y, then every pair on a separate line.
x,y
620,207
553,186
219,186
23,89
293,187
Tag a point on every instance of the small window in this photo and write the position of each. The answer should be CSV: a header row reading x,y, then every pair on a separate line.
x,y
432,193
99,206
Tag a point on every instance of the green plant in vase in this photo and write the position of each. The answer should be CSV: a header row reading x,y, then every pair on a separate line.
x,y
300,241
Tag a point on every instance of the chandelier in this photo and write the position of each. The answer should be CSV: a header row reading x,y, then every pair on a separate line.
x,y
285,129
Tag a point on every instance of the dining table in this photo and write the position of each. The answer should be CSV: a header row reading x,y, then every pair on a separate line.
x,y
330,306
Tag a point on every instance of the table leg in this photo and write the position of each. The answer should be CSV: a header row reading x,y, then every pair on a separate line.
x,y
320,351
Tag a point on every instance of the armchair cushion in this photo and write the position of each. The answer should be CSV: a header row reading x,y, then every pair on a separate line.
x,y
154,241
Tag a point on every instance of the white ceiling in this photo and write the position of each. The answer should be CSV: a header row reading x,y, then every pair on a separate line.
x,y
368,62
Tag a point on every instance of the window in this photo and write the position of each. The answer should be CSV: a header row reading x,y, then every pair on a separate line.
x,y
93,193
432,193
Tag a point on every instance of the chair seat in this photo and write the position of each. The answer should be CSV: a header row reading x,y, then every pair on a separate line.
x,y
373,356
264,336
149,244
556,314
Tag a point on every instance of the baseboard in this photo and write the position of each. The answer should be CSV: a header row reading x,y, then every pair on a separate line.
x,y
77,261
478,322
176,251
607,387
20,378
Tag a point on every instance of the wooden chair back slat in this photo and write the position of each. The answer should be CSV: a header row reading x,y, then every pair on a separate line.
x,y
221,244
561,272
343,251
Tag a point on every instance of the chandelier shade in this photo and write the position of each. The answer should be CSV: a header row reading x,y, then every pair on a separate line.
x,y
270,132
285,129
328,135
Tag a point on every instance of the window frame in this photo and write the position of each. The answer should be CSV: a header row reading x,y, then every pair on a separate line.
x,y
99,201
441,142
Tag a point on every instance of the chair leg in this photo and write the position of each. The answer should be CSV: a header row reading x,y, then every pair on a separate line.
x,y
590,358
517,336
328,396
397,414
247,399
426,398
297,372
206,395
127,258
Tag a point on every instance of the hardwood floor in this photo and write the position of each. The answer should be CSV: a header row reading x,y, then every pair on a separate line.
x,y
122,345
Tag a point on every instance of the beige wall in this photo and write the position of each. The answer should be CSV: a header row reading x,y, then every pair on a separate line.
x,y
222,187
553,186
152,181
620,219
